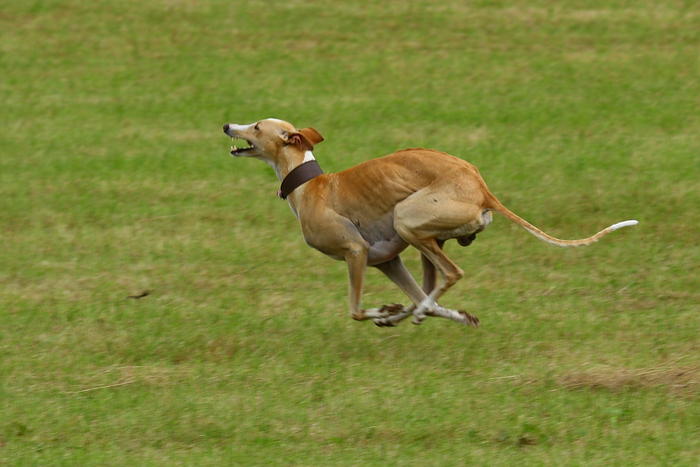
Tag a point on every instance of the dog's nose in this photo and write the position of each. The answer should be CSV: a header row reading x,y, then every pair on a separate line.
x,y
226,127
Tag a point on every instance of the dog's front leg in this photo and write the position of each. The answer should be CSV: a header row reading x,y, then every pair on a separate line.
x,y
356,257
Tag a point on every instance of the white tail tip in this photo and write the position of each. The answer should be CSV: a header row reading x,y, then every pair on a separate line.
x,y
622,224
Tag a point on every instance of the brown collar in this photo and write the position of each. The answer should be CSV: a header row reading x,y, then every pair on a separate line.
x,y
298,177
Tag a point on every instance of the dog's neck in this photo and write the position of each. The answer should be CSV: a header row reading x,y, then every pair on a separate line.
x,y
291,160
298,177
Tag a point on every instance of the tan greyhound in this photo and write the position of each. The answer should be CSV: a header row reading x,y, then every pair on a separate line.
x,y
368,214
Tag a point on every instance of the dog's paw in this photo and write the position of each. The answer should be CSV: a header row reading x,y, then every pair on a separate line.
x,y
387,311
418,318
469,319
384,323
392,309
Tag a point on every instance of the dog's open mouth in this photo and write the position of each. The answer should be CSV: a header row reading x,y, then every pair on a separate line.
x,y
236,151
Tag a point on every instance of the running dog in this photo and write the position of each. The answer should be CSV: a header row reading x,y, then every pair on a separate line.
x,y
368,214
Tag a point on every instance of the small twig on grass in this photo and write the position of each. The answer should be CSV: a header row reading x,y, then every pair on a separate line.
x,y
145,293
121,383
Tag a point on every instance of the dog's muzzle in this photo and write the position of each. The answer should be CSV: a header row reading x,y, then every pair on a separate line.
x,y
235,150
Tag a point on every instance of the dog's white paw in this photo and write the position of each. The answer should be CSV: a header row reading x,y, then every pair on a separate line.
x,y
385,311
418,318
393,314
459,316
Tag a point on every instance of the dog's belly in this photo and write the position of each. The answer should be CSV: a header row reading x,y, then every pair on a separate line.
x,y
385,250
384,243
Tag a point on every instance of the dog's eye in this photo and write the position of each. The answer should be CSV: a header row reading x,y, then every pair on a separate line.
x,y
257,127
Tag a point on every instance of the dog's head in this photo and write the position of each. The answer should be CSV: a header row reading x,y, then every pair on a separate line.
x,y
272,140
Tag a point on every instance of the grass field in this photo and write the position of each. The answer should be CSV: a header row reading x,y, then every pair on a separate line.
x,y
115,179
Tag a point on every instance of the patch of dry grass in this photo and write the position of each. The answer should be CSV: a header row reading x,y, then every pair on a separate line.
x,y
676,379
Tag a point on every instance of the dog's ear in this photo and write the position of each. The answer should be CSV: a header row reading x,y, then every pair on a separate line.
x,y
305,138
311,135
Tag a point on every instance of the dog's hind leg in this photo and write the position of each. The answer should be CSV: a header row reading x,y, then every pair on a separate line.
x,y
429,271
449,271
421,224
397,272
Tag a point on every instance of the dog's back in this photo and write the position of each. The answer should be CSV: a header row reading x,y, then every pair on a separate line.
x,y
379,184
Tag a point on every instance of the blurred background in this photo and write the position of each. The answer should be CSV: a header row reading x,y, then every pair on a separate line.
x,y
115,182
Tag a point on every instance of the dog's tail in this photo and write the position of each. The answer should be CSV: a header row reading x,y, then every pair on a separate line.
x,y
496,205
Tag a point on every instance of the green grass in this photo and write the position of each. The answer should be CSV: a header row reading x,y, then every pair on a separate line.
x,y
115,179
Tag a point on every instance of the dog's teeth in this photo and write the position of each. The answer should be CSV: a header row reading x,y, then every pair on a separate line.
x,y
234,148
